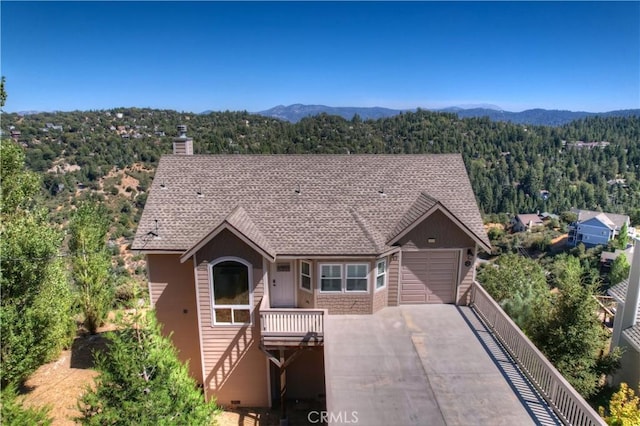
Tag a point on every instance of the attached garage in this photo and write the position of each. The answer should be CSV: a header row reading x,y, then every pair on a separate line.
x,y
429,276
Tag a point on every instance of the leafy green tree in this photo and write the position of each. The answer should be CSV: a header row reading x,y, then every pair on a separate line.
x,y
619,269
36,315
624,408
623,237
143,382
91,263
519,285
573,338
13,413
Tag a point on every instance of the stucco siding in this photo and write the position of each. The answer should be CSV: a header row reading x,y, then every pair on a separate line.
x,y
173,296
234,366
439,228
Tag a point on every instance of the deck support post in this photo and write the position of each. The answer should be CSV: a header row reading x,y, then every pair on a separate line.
x,y
283,389
282,362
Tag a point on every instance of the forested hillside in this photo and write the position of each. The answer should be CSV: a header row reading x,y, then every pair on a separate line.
x,y
591,163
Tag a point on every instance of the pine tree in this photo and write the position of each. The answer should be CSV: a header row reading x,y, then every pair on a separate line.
x,y
143,382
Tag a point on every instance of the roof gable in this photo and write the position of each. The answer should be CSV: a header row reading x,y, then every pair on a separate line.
x,y
421,206
600,221
240,224
421,209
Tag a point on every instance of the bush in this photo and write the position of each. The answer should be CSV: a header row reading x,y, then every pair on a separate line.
x,y
14,413
36,309
142,382
624,408
127,292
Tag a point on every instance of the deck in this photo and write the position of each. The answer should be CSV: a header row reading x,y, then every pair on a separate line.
x,y
290,327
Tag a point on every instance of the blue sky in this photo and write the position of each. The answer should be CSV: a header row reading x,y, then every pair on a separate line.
x,y
196,56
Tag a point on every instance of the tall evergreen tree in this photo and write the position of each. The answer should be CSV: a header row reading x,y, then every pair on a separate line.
x,y
90,263
573,338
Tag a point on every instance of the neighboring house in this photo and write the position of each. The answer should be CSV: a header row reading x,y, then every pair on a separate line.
x,y
246,254
607,257
626,325
593,228
526,222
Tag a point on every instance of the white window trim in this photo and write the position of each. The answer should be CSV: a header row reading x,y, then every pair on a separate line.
x,y
378,274
366,275
302,274
232,307
343,278
320,265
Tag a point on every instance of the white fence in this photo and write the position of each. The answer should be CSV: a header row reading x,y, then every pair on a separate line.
x,y
570,407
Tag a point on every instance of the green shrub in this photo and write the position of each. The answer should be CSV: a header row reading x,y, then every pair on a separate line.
x,y
142,382
12,413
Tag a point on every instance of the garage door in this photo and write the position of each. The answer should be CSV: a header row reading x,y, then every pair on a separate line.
x,y
429,276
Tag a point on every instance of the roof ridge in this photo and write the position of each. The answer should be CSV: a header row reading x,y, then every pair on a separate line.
x,y
368,230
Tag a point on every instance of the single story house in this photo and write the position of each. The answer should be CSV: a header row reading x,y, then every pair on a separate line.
x,y
626,325
526,222
246,255
593,228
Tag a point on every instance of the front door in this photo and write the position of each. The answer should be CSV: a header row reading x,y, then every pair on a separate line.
x,y
282,289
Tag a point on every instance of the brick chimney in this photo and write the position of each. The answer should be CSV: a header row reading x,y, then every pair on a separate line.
x,y
182,144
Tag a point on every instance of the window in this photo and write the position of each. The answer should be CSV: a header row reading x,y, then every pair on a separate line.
x,y
381,273
305,276
331,277
231,292
357,277
354,279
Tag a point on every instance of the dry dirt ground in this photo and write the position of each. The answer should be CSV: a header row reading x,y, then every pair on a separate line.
x,y
60,384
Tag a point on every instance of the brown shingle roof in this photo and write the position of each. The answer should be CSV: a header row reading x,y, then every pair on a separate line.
x,y
301,204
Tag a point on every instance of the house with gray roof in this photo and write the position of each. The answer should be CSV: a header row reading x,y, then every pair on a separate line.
x,y
593,228
247,254
626,325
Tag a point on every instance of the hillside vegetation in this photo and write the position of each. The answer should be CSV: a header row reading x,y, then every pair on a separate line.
x,y
591,163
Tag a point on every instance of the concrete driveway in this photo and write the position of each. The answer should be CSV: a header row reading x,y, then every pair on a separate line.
x,y
422,365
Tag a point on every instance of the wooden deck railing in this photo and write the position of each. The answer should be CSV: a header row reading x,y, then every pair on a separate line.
x,y
291,325
569,406
292,321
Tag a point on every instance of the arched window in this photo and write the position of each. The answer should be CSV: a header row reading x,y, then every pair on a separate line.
x,y
230,291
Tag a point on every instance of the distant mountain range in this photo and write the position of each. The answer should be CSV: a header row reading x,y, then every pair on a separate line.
x,y
296,112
